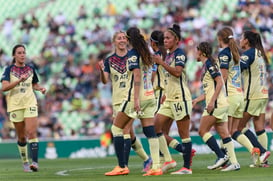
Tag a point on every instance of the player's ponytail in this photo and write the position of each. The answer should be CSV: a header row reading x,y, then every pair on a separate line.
x,y
175,30
136,39
255,41
226,35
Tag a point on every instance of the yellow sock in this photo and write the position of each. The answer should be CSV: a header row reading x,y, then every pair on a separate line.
x,y
221,144
154,149
23,153
164,148
263,140
243,140
138,148
230,151
206,136
173,143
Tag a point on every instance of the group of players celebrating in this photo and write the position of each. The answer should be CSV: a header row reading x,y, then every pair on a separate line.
x,y
153,88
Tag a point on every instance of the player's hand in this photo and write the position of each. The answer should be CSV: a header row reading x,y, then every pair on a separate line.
x,y
210,107
42,90
163,98
137,106
157,59
23,77
101,65
194,102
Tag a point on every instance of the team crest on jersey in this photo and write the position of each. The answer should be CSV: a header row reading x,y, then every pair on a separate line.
x,y
115,78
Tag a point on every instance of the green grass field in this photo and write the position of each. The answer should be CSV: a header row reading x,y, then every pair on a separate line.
x,y
94,169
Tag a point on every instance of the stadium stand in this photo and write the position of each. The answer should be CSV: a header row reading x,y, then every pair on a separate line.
x,y
66,45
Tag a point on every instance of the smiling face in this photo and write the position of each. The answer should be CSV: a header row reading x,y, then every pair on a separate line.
x,y
120,41
19,55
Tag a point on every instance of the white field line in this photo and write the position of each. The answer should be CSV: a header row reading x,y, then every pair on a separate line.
x,y
66,172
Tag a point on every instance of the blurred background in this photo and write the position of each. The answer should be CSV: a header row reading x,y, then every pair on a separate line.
x,y
65,39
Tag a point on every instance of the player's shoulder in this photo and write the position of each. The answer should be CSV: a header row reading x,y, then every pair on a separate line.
x,y
225,53
179,51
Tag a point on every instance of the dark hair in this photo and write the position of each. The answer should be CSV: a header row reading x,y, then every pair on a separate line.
x,y
255,41
226,35
14,51
206,49
175,30
158,37
136,39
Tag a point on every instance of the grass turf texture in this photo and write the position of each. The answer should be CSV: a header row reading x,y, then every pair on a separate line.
x,y
94,169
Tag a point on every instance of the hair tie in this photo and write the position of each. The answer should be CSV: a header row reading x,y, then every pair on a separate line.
x,y
174,33
230,36
156,41
127,36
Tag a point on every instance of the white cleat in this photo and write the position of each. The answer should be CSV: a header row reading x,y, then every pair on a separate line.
x,y
264,156
232,167
219,163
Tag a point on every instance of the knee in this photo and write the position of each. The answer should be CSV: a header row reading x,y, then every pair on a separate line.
x,y
31,134
201,132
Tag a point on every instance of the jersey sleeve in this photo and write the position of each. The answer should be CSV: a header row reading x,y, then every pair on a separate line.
x,y
133,60
247,59
180,59
6,74
35,77
106,66
224,60
213,69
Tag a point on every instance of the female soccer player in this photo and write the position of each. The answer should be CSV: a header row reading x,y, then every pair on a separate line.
x,y
139,103
159,82
20,79
178,103
115,67
215,113
253,65
229,59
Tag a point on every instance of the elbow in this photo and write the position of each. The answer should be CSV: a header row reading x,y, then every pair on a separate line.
x,y
4,89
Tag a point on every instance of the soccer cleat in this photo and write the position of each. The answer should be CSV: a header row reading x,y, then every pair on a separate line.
x,y
255,153
34,167
264,165
26,167
264,156
118,171
153,172
192,155
219,163
168,165
182,171
147,164
232,167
